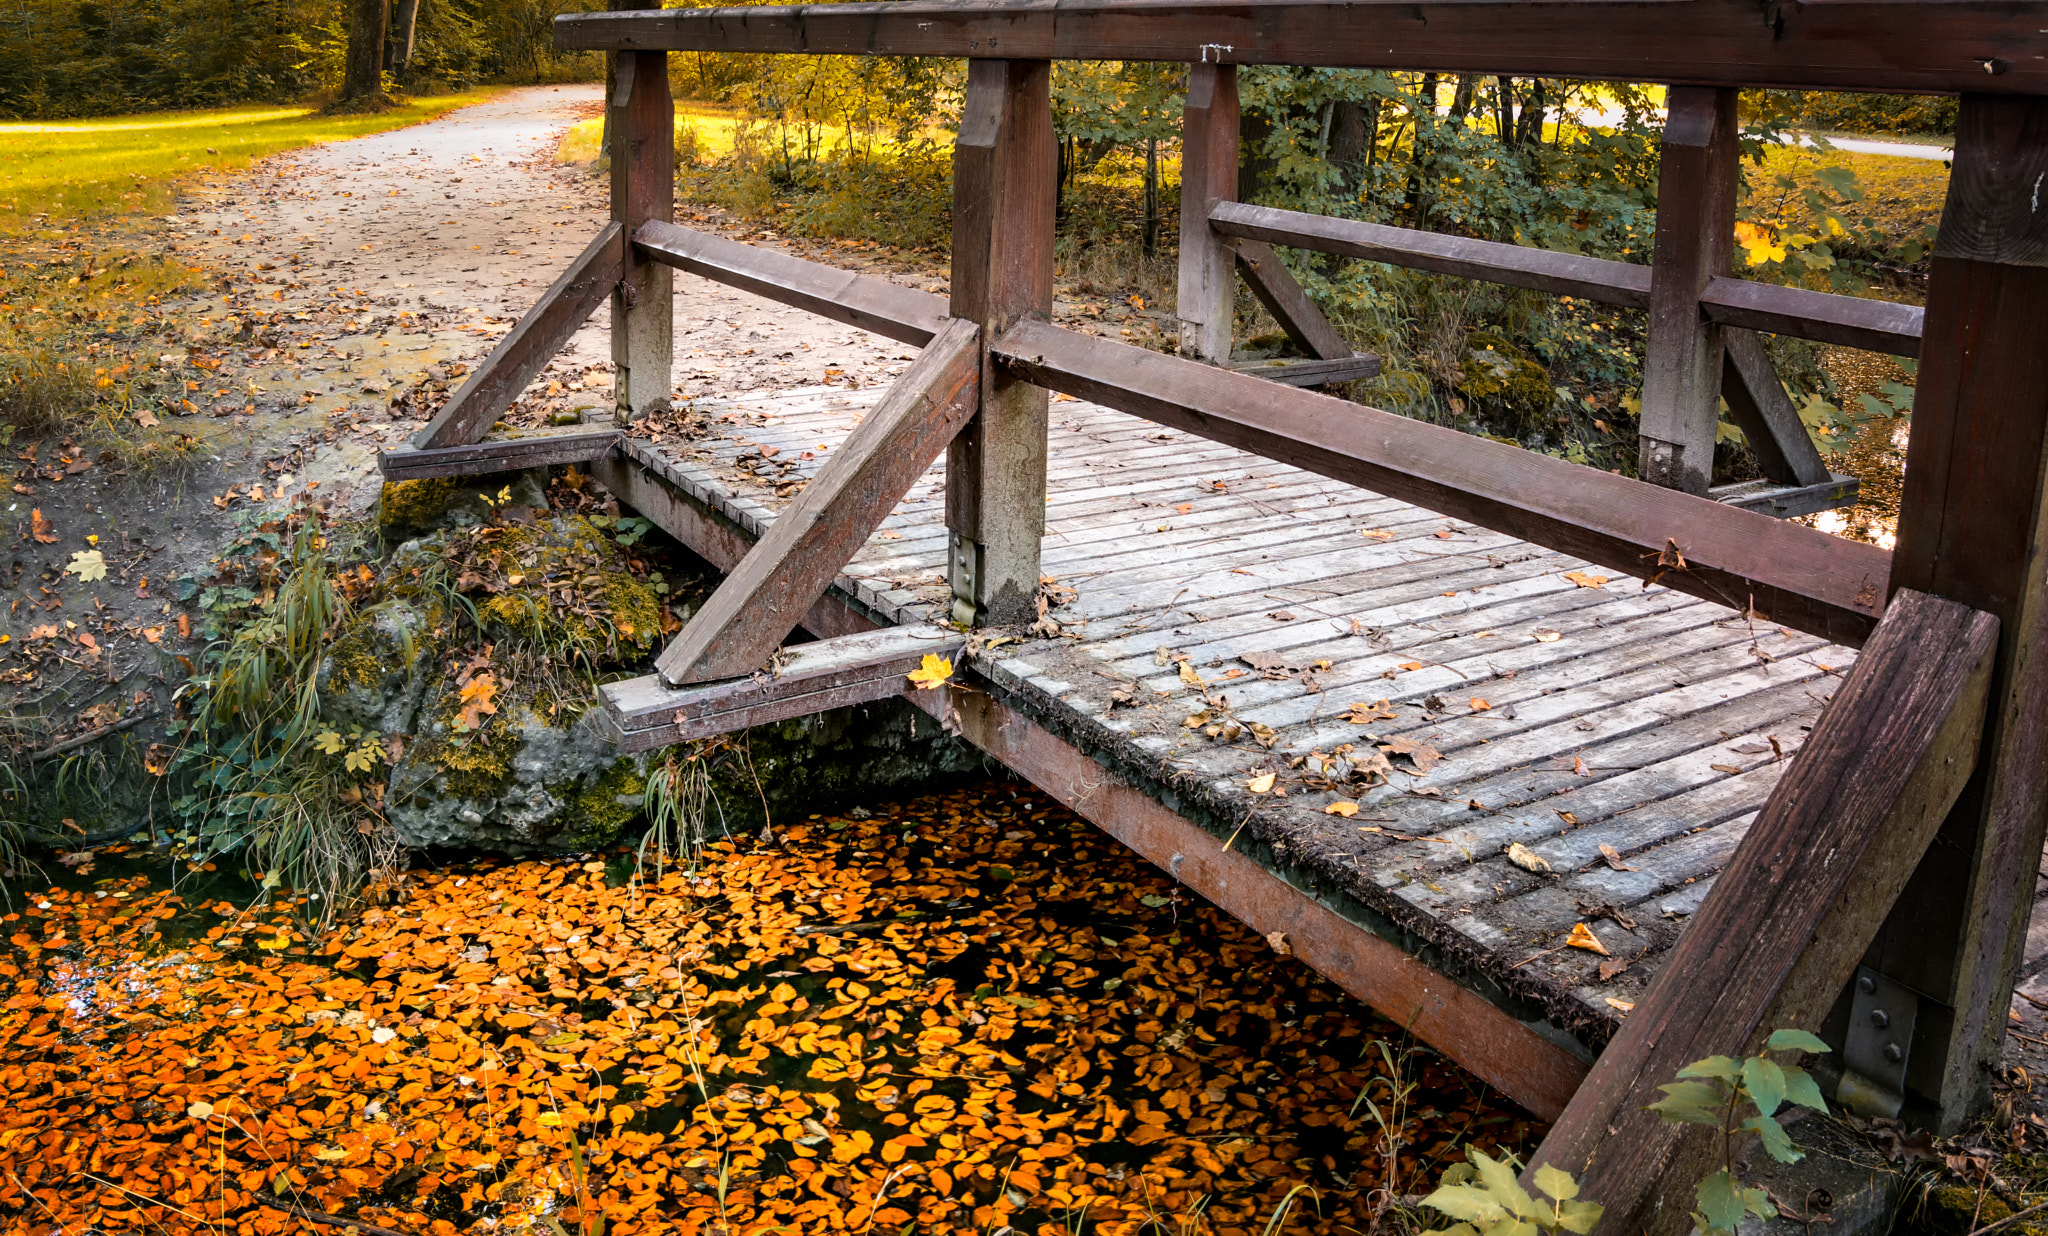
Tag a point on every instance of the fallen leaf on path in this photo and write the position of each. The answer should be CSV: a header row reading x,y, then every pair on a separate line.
x,y
1527,859
1423,755
1582,937
1585,580
1612,967
1613,857
88,565
42,529
1260,784
1341,807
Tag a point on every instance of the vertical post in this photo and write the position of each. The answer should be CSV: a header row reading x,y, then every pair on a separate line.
x,y
1004,173
1696,182
1973,522
642,121
1208,175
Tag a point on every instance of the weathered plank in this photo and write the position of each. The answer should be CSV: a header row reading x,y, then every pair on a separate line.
x,y
542,331
641,714
1696,180
779,580
1941,46
1761,409
1788,920
1567,274
1206,294
643,126
1297,372
903,314
1789,501
1275,286
1798,576
1851,321
1973,526
529,450
1003,203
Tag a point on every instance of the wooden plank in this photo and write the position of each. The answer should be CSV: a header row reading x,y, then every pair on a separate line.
x,y
1781,933
642,124
533,450
1789,501
1851,321
641,714
542,331
1296,372
770,590
1275,286
903,314
1003,203
1696,180
1206,293
1528,1067
1940,46
1973,526
1759,406
1798,576
1567,274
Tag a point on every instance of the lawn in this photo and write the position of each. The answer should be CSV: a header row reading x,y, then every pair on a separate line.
x,y
53,172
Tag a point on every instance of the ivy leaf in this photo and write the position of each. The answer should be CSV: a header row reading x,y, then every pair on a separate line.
x,y
1720,1199
1796,1040
1765,1082
1777,1143
1721,1068
1690,1102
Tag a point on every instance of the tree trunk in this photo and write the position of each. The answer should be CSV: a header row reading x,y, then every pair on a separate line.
x,y
1461,102
1253,164
1425,141
362,77
1504,111
1348,143
1531,126
1151,241
399,42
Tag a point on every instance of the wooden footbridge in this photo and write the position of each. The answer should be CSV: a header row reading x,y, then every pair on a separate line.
x,y
1386,691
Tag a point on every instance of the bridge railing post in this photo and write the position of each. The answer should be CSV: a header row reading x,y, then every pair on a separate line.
x,y
1207,299
1973,527
1003,200
643,154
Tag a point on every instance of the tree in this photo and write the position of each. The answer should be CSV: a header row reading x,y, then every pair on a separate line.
x,y
363,76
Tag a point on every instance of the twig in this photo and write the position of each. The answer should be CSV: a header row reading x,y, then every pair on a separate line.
x,y
2011,1218
73,744
321,1216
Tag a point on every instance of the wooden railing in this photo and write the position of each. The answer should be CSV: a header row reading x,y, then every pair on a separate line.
x,y
1941,728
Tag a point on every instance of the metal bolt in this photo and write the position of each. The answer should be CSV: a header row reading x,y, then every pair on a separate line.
x,y
1866,985
1894,1053
1880,1018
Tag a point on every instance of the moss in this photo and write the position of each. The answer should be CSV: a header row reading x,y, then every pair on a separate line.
x,y
541,554
1508,388
357,659
600,810
415,504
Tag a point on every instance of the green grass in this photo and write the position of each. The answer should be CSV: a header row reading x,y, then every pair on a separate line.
x,y
71,170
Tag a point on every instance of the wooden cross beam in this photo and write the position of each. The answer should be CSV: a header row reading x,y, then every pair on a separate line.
x,y
1929,46
1778,938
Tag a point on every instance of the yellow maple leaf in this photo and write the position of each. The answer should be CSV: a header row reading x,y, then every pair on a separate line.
x,y
1341,807
933,671
1586,580
1759,244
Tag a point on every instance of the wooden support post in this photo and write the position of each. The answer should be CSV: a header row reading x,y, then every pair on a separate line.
x,y
1003,198
1787,921
1759,406
1973,525
1208,175
558,314
1289,304
812,540
1696,182
643,152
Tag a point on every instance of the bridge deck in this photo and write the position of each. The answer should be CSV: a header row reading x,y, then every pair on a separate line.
x,y
1623,735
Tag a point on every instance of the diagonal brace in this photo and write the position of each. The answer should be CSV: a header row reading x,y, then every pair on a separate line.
x,y
558,314
767,594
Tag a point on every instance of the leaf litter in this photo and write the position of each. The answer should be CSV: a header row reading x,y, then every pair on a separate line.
x,y
967,1011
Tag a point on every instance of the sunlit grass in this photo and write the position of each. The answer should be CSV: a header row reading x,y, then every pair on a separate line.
x,y
54,173
705,128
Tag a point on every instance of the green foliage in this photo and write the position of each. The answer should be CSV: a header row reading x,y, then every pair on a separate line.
x,y
1715,1092
1486,1198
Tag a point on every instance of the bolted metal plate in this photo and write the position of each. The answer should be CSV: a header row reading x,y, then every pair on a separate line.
x,y
1878,1045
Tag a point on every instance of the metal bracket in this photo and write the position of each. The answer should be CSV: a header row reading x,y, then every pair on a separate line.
x,y
963,575
1878,1045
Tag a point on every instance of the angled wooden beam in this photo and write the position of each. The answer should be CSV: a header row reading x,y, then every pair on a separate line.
x,y
510,454
545,328
1789,501
1934,47
1697,172
1294,371
1800,577
765,597
1761,409
1275,286
1780,935
903,314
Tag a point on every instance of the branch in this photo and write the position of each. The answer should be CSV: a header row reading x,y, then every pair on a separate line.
x,y
73,744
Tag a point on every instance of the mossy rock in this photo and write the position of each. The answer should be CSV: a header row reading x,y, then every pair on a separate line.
x,y
1506,387
370,676
407,509
609,610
